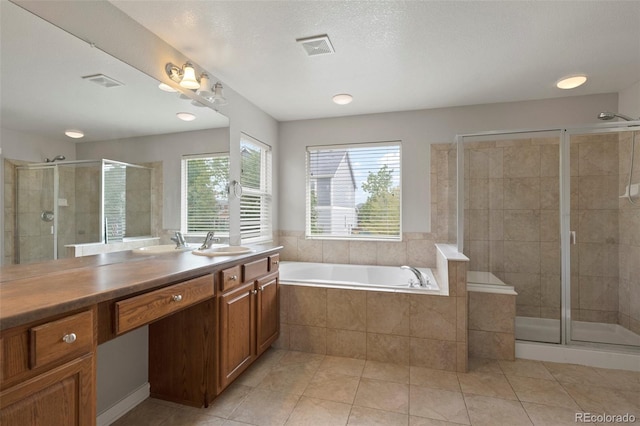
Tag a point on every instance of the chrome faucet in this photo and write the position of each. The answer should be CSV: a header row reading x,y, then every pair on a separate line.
x,y
208,240
422,280
179,240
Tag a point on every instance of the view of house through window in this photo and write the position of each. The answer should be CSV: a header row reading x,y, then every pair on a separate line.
x,y
205,201
256,199
353,191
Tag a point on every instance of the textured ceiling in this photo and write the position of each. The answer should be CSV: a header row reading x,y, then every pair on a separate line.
x,y
43,91
401,55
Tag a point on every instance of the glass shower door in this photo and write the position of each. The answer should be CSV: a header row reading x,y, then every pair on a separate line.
x,y
36,214
605,243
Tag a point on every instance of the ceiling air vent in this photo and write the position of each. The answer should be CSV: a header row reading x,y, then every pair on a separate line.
x,y
317,45
102,80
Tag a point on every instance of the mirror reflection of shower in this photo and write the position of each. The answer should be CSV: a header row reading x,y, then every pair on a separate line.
x,y
632,190
61,204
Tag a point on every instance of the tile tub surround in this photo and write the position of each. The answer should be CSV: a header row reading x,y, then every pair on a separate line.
x,y
346,391
492,325
408,329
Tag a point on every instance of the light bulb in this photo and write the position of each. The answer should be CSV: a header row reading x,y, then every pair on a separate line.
x,y
205,86
189,77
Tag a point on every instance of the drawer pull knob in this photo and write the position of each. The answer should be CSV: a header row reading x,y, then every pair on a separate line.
x,y
275,262
254,291
69,338
233,277
262,288
176,298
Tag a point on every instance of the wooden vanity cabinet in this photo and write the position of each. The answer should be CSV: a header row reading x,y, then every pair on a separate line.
x,y
48,372
249,318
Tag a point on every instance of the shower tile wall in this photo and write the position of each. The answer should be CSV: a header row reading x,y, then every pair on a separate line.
x,y
512,218
138,205
87,194
629,238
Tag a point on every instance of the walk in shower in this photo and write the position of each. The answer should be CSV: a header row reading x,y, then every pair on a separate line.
x,y
545,211
62,203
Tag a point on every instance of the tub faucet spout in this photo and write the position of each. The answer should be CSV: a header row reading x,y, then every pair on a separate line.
x,y
422,280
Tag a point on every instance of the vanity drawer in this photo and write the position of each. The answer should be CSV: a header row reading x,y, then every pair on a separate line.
x,y
72,335
274,262
255,269
146,308
230,278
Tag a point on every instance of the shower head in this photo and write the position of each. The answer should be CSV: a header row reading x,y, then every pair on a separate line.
x,y
56,158
606,115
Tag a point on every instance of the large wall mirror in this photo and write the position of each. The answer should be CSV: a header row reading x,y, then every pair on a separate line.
x,y
125,168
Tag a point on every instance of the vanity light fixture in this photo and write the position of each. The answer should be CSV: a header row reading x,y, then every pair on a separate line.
x,y
571,82
205,86
218,95
185,76
75,134
342,99
186,116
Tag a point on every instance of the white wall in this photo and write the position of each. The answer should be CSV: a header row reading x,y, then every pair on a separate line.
x,y
629,101
22,146
417,129
169,149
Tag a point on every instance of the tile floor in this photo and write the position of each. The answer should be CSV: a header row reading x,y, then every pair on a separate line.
x,y
297,388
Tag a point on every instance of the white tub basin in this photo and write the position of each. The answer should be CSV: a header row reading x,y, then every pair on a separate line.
x,y
163,248
223,251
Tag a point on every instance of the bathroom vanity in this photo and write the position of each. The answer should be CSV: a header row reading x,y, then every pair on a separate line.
x,y
209,319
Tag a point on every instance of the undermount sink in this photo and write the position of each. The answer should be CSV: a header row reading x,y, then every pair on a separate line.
x,y
164,248
222,251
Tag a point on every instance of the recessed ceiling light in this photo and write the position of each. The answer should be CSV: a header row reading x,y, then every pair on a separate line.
x,y
165,87
571,82
186,116
75,134
342,99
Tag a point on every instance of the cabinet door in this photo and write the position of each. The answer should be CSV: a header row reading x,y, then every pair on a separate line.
x,y
64,396
268,325
237,332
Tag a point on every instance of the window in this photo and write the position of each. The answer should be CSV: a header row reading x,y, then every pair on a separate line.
x,y
205,203
353,191
255,202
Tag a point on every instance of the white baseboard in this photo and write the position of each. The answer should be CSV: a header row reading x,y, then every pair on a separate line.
x,y
123,406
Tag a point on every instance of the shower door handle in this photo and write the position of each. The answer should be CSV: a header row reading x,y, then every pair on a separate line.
x,y
572,237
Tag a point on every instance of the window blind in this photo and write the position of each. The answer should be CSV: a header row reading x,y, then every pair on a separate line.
x,y
354,191
205,201
256,199
115,201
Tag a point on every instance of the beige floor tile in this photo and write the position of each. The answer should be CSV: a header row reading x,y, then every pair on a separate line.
x,y
319,412
383,395
437,379
484,410
149,412
295,357
525,368
265,407
362,416
545,415
189,418
340,365
437,404
541,391
494,385
228,400
254,375
572,373
386,371
482,365
597,399
234,423
289,378
333,387
619,379
423,421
